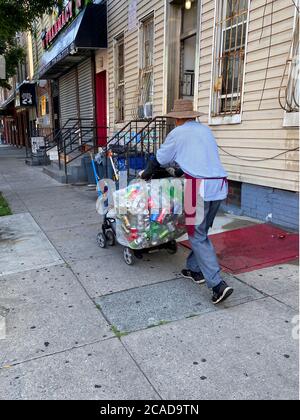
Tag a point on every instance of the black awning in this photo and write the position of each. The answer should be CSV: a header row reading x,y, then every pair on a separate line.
x,y
8,106
86,33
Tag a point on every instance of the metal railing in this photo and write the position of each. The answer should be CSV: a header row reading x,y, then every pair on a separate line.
x,y
131,151
76,143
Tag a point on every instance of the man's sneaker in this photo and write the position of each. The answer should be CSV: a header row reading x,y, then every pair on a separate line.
x,y
196,277
221,292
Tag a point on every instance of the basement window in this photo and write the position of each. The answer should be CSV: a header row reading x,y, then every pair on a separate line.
x,y
229,61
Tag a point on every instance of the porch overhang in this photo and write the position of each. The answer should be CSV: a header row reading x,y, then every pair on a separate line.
x,y
8,106
86,33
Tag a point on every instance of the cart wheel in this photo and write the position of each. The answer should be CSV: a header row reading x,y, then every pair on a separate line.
x,y
110,238
101,240
128,256
172,248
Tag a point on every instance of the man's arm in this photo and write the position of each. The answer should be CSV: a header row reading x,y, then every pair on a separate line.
x,y
152,166
164,156
167,152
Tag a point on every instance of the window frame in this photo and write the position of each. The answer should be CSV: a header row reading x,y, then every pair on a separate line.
x,y
217,47
185,36
292,119
119,85
144,71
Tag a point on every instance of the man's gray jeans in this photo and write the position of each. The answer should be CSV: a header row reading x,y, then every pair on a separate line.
x,y
203,256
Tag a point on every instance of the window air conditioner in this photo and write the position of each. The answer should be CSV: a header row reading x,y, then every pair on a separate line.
x,y
148,110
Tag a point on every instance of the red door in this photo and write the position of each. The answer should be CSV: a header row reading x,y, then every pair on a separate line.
x,y
101,110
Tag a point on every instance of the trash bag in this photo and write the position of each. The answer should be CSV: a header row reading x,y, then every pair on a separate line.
x,y
150,213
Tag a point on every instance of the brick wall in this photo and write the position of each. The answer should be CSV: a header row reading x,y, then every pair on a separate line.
x,y
277,206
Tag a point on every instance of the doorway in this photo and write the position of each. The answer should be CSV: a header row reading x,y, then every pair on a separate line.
x,y
188,51
101,108
56,119
183,38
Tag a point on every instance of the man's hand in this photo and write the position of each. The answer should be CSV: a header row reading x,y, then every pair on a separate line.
x,y
175,172
152,166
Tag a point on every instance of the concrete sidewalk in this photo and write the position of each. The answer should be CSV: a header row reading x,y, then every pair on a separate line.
x,y
80,324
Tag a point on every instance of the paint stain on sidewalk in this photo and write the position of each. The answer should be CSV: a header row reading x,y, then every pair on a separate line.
x,y
251,248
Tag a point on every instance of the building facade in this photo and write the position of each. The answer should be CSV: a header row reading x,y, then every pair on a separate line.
x,y
237,60
17,102
115,61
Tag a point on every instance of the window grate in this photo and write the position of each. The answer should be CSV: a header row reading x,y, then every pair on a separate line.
x,y
289,96
146,70
229,62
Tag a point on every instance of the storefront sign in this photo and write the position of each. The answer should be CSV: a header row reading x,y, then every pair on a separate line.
x,y
63,20
27,95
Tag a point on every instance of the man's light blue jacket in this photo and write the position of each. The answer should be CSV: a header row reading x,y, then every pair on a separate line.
x,y
194,148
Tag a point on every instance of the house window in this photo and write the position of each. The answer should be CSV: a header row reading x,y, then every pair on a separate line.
x,y
229,61
120,79
146,68
290,94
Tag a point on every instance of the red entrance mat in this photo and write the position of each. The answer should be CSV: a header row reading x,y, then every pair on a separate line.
x,y
254,247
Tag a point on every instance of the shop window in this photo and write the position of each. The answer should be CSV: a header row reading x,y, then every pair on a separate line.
x,y
120,78
188,49
146,83
229,58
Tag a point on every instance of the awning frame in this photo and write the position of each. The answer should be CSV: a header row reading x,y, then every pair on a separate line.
x,y
88,32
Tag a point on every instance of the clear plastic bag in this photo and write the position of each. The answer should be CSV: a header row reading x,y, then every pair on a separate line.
x,y
149,214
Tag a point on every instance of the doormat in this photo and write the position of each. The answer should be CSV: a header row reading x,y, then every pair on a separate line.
x,y
254,247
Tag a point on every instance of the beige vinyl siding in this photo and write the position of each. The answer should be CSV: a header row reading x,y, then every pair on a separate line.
x,y
117,23
44,22
261,133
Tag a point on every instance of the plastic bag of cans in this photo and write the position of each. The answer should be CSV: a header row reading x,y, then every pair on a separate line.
x,y
149,214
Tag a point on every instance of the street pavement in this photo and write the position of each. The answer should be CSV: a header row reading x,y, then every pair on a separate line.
x,y
77,323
